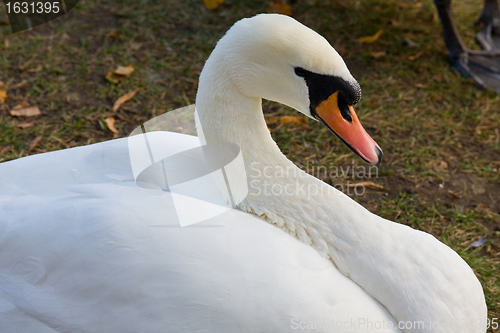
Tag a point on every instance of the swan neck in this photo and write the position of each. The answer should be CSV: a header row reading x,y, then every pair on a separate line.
x,y
227,115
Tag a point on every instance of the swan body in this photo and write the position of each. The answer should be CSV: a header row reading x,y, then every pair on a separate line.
x,y
84,249
107,258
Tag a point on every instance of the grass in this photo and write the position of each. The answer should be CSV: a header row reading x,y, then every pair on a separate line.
x,y
440,135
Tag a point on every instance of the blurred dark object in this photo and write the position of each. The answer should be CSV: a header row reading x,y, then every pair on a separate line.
x,y
481,66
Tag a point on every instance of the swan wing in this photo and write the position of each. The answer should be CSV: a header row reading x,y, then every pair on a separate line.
x,y
83,249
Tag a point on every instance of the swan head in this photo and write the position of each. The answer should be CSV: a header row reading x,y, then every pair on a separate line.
x,y
275,57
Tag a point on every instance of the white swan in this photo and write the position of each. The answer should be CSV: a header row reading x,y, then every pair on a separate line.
x,y
83,249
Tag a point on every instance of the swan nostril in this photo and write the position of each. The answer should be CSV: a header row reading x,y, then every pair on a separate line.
x,y
344,108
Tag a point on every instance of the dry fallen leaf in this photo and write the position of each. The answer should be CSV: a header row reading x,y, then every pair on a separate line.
x,y
371,39
123,99
115,34
279,7
407,5
411,43
119,73
6,43
137,46
454,195
299,121
125,71
110,122
30,111
343,4
21,105
212,4
377,54
113,78
36,69
35,142
271,121
394,22
421,86
3,93
370,185
416,56
479,129
25,125
438,78
442,165
19,85
24,110
309,157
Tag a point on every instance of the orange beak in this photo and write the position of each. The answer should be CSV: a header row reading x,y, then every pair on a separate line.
x,y
347,127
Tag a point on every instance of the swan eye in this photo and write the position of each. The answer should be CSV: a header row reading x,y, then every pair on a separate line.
x,y
300,71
